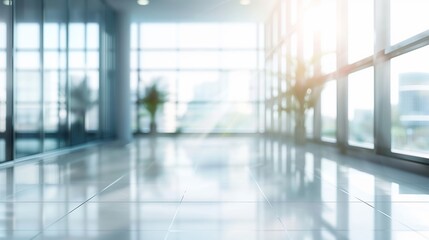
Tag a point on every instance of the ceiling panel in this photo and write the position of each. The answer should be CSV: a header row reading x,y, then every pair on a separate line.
x,y
195,10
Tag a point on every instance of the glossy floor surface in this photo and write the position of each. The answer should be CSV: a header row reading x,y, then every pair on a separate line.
x,y
186,188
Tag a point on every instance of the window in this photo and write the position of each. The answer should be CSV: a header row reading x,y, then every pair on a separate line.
x,y
46,68
409,101
361,108
329,111
408,18
3,67
327,23
209,70
360,29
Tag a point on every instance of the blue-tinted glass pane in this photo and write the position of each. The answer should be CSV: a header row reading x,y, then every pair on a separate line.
x,y
134,36
77,60
52,60
3,35
2,116
93,59
92,36
27,36
51,35
76,36
2,59
158,60
27,60
28,87
158,36
409,102
28,117
2,150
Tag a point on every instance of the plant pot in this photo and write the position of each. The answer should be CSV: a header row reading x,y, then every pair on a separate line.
x,y
300,134
152,128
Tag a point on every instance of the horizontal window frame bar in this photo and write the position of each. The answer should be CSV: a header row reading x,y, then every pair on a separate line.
x,y
413,43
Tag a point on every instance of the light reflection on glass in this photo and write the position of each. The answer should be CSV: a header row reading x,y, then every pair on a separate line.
x,y
407,19
358,26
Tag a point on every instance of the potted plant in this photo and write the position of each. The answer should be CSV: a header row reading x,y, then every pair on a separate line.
x,y
304,88
152,100
81,101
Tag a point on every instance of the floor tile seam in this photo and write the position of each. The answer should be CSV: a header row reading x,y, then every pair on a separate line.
x,y
134,202
195,171
401,223
175,214
41,201
234,230
179,205
268,201
220,202
384,214
74,209
107,231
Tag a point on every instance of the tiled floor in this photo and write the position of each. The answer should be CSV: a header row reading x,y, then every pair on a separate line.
x,y
210,188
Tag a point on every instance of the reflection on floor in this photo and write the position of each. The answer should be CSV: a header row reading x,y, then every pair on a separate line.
x,y
211,188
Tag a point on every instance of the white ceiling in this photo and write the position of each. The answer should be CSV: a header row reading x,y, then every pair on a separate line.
x,y
195,10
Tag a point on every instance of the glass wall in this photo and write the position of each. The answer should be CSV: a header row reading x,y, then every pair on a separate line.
x,y
372,56
409,99
208,70
5,16
329,111
50,75
28,78
360,29
361,108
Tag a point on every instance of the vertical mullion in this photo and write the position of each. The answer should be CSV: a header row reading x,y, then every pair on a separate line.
x,y
266,29
67,76
85,50
272,56
101,75
342,56
279,68
258,79
317,117
289,34
42,76
10,73
138,52
382,107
